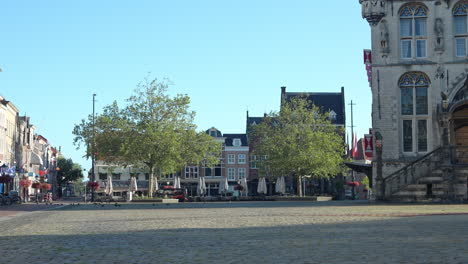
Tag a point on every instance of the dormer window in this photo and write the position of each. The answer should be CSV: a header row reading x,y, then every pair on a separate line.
x,y
237,142
213,133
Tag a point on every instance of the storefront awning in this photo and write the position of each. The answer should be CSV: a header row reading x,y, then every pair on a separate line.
x,y
35,159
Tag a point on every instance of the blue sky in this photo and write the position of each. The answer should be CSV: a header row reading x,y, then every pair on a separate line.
x,y
228,56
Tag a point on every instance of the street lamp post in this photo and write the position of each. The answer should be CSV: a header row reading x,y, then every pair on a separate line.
x,y
58,186
93,178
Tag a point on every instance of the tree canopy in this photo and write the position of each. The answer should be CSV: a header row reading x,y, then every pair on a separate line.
x,y
299,140
68,171
153,130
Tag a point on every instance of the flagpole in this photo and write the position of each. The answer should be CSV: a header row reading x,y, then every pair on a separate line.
x,y
93,177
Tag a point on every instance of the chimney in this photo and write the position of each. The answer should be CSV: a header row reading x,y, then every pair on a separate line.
x,y
264,114
283,95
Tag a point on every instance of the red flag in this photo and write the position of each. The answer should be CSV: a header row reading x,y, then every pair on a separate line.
x,y
41,173
355,148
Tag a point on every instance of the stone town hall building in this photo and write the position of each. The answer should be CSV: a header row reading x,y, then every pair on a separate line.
x,y
419,86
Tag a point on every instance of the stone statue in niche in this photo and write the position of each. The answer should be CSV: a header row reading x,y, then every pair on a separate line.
x,y
447,2
384,38
440,73
439,34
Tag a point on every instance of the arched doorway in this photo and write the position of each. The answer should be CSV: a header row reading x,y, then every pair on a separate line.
x,y
459,124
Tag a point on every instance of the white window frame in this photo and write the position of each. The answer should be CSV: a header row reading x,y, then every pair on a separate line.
x,y
241,159
191,172
241,173
231,174
253,161
231,158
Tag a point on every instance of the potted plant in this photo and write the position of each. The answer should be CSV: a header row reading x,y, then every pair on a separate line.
x,y
37,185
353,183
25,183
46,186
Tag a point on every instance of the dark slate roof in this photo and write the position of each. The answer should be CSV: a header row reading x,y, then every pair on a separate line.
x,y
230,138
218,133
252,120
326,102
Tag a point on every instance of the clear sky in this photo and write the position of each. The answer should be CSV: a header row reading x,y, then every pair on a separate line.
x,y
228,56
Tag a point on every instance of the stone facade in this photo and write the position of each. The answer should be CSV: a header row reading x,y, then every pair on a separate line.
x,y
9,122
419,77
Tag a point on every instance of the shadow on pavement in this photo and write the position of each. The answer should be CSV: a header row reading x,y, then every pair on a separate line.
x,y
440,239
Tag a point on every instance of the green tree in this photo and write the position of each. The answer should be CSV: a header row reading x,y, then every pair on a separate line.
x,y
366,183
298,141
153,130
68,171
79,186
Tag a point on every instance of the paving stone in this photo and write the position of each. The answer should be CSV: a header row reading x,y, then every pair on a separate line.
x,y
246,232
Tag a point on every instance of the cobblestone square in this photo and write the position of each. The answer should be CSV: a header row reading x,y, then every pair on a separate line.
x,y
242,232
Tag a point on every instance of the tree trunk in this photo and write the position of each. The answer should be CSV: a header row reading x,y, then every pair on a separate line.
x,y
322,186
299,186
150,181
270,189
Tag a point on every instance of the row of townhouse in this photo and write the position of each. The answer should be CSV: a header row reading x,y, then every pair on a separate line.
x,y
23,153
236,162
233,164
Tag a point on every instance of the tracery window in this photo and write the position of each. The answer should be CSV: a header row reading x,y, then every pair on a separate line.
x,y
413,31
460,32
414,110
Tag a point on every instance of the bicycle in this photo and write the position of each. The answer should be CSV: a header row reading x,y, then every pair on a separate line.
x,y
5,200
15,198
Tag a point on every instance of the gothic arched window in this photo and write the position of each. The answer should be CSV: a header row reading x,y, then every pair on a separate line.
x,y
413,31
460,28
414,110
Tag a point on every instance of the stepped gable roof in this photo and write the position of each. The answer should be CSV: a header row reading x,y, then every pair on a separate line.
x,y
230,139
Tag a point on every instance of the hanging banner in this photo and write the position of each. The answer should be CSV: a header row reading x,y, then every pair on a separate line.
x,y
368,63
368,145
367,56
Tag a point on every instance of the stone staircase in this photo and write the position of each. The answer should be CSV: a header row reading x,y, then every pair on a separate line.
x,y
436,177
